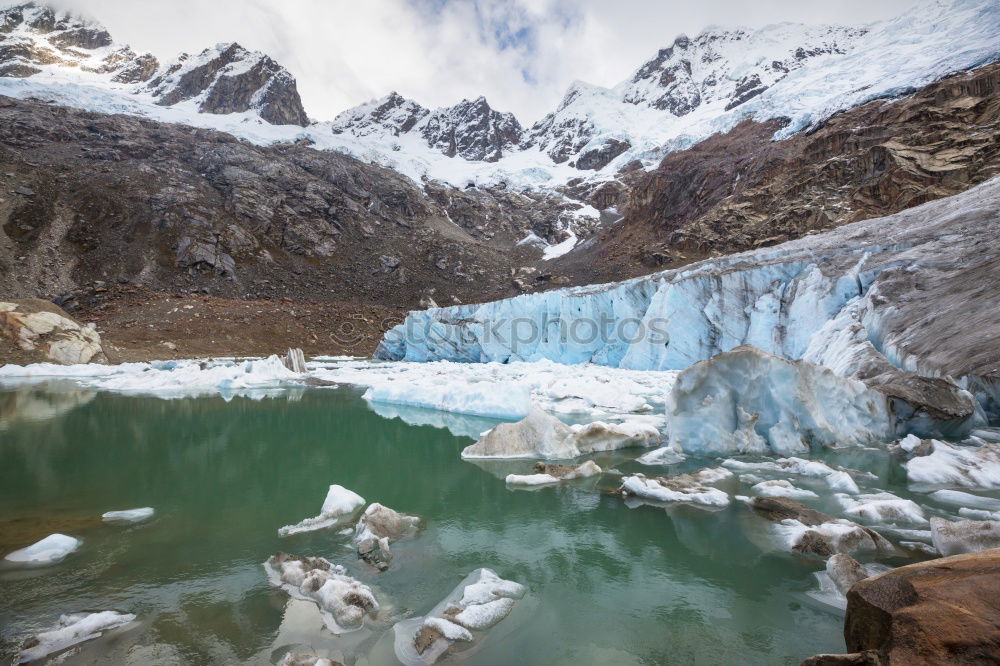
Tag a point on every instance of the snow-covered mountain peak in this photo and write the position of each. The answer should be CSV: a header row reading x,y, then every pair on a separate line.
x,y
41,43
228,78
471,129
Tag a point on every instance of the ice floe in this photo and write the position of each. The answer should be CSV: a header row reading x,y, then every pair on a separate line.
x,y
340,504
550,474
376,529
665,455
781,488
343,601
168,378
837,479
691,488
964,536
882,508
841,573
129,515
455,626
72,629
49,550
797,528
964,466
541,435
507,390
967,500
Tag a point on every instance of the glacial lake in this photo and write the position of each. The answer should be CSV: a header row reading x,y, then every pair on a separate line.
x,y
608,584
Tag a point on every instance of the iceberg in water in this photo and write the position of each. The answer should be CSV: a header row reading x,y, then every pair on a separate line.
x,y
340,503
456,625
72,629
129,515
749,401
541,435
49,550
343,601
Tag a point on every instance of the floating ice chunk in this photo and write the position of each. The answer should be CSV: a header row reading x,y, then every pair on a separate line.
x,y
485,615
842,481
343,601
600,436
691,488
481,601
72,629
749,401
49,550
665,455
978,514
376,529
540,435
781,488
501,400
448,630
959,498
838,480
129,515
796,527
340,503
298,659
964,466
920,547
549,474
964,536
882,508
844,571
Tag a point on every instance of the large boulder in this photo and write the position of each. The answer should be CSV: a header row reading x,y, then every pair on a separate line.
x,y
944,611
34,331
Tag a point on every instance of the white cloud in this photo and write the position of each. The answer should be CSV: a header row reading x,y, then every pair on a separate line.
x,y
520,54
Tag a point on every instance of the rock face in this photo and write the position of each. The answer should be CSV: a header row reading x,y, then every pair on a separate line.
x,y
471,129
230,79
122,198
943,611
740,189
223,79
47,333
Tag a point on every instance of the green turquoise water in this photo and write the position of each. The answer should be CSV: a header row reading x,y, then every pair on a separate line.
x,y
608,584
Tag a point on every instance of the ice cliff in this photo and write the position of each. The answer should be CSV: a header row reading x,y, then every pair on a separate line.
x,y
903,303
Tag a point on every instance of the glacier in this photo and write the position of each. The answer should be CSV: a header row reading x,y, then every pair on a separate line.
x,y
873,301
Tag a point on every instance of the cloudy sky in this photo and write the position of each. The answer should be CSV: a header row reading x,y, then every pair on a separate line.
x,y
521,54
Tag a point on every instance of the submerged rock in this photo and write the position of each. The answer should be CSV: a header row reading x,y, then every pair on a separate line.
x,y
541,435
455,625
691,488
749,401
943,611
964,536
343,601
377,528
72,629
547,474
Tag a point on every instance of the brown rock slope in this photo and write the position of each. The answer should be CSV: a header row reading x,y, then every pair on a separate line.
x,y
741,190
944,611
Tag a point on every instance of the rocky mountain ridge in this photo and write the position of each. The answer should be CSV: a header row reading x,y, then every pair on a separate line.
x,y
36,40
